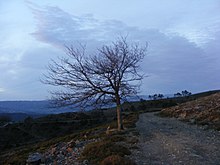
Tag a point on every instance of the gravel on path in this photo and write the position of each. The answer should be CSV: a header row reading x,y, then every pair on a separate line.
x,y
168,141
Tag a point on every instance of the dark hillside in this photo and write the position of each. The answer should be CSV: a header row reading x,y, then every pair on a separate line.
x,y
44,128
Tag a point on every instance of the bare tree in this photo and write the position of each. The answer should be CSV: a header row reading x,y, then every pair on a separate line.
x,y
109,76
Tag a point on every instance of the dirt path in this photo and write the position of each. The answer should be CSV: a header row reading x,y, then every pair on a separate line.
x,y
168,141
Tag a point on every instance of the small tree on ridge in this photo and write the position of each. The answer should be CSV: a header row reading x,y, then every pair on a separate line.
x,y
108,76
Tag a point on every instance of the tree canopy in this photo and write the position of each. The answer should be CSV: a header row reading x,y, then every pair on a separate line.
x,y
108,76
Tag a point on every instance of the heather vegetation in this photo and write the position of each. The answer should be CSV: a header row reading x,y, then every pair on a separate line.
x,y
203,111
38,135
4,120
13,154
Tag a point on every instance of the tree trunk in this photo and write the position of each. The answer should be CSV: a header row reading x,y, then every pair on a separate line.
x,y
119,116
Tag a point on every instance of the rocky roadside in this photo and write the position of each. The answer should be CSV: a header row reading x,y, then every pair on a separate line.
x,y
107,143
63,153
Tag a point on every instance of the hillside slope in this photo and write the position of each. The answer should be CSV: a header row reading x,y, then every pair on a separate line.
x,y
204,111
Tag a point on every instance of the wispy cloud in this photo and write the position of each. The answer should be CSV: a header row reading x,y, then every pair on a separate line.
x,y
183,39
173,61
58,27
2,89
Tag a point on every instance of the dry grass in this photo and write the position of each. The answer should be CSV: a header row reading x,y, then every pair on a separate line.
x,y
98,151
108,146
116,160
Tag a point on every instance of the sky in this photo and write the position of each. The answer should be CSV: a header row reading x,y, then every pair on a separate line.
x,y
183,41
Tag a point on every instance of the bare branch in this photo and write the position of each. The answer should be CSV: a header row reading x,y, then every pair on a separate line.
x,y
109,75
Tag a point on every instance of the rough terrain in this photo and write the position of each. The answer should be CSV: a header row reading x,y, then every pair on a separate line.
x,y
169,141
203,111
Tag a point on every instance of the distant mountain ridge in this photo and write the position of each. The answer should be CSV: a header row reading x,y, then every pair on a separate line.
x,y
44,106
22,109
31,107
41,107
17,117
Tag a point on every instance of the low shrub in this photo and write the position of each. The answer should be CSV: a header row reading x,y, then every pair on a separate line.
x,y
133,140
116,160
130,120
116,138
97,151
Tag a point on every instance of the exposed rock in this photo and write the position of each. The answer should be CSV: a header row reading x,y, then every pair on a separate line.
x,y
34,159
62,153
108,130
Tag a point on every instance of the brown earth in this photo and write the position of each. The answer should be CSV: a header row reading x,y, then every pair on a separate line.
x,y
204,111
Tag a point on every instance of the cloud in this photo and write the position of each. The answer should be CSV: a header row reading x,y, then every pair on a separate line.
x,y
57,27
20,78
183,41
2,89
173,62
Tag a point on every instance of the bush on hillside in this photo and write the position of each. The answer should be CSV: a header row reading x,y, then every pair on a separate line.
x,y
96,152
116,160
